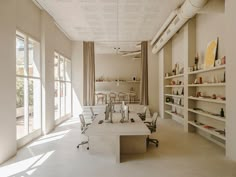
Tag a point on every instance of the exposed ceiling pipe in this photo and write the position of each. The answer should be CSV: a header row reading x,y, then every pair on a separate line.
x,y
132,54
164,26
184,13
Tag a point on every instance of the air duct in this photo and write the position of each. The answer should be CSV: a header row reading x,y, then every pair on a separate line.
x,y
184,13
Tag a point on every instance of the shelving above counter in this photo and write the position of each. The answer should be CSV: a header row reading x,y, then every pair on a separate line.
x,y
129,81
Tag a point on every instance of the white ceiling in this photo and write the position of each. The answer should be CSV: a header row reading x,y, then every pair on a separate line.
x,y
110,23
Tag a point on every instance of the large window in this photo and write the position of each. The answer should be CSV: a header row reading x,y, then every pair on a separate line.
x,y
28,85
62,85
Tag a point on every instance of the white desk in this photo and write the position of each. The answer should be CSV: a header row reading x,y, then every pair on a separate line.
x,y
113,139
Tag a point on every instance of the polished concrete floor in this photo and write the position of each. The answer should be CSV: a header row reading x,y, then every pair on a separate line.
x,y
178,155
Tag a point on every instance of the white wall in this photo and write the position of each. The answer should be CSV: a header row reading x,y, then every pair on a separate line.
x,y
77,77
25,16
28,18
230,73
7,79
111,66
153,80
208,27
52,39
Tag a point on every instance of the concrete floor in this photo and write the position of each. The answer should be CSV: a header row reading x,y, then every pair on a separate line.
x,y
179,155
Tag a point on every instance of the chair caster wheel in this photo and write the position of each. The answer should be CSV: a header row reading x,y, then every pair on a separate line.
x,y
77,147
87,148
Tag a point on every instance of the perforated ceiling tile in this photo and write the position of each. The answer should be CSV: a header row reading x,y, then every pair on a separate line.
x,y
96,20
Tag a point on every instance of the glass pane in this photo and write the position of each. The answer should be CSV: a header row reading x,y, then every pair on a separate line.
x,y
56,67
34,58
68,69
20,108
57,100
68,98
34,105
62,99
20,55
62,68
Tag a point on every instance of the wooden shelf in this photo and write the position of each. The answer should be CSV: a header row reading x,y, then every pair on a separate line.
x,y
207,85
173,114
207,115
175,76
207,70
207,100
117,82
210,131
175,105
177,96
174,86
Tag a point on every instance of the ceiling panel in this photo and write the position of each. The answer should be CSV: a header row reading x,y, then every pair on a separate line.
x,y
110,20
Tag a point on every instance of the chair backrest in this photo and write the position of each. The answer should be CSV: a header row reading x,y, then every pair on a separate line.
x,y
92,112
82,121
112,94
154,119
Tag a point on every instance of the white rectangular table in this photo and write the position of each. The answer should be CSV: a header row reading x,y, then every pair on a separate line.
x,y
113,139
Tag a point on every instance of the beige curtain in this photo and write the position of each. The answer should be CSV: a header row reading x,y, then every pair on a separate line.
x,y
89,73
144,74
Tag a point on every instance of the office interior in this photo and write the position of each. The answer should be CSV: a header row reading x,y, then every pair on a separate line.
x,y
175,58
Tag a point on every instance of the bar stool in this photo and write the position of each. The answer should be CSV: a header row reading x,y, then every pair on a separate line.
x,y
122,96
112,97
101,98
132,97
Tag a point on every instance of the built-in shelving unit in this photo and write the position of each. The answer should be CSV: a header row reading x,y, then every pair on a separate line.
x,y
102,82
175,105
176,96
207,85
208,123
207,115
196,98
208,130
207,70
219,101
174,86
174,76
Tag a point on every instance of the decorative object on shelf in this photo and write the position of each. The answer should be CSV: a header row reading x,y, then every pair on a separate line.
x,y
167,74
172,83
134,78
223,60
168,99
211,52
196,62
177,93
199,94
218,62
224,77
213,96
190,69
200,80
182,91
222,114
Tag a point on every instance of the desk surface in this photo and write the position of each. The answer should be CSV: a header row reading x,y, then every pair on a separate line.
x,y
117,128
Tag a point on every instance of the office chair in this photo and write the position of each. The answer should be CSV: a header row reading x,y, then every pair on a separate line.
x,y
152,128
101,98
112,97
83,127
143,114
132,97
121,96
93,114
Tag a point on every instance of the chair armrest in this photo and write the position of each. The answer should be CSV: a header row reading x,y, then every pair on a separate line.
x,y
147,122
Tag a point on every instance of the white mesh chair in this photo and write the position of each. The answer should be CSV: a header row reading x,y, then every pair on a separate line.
x,y
84,127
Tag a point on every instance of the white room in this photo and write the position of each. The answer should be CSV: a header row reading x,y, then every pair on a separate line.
x,y
117,88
